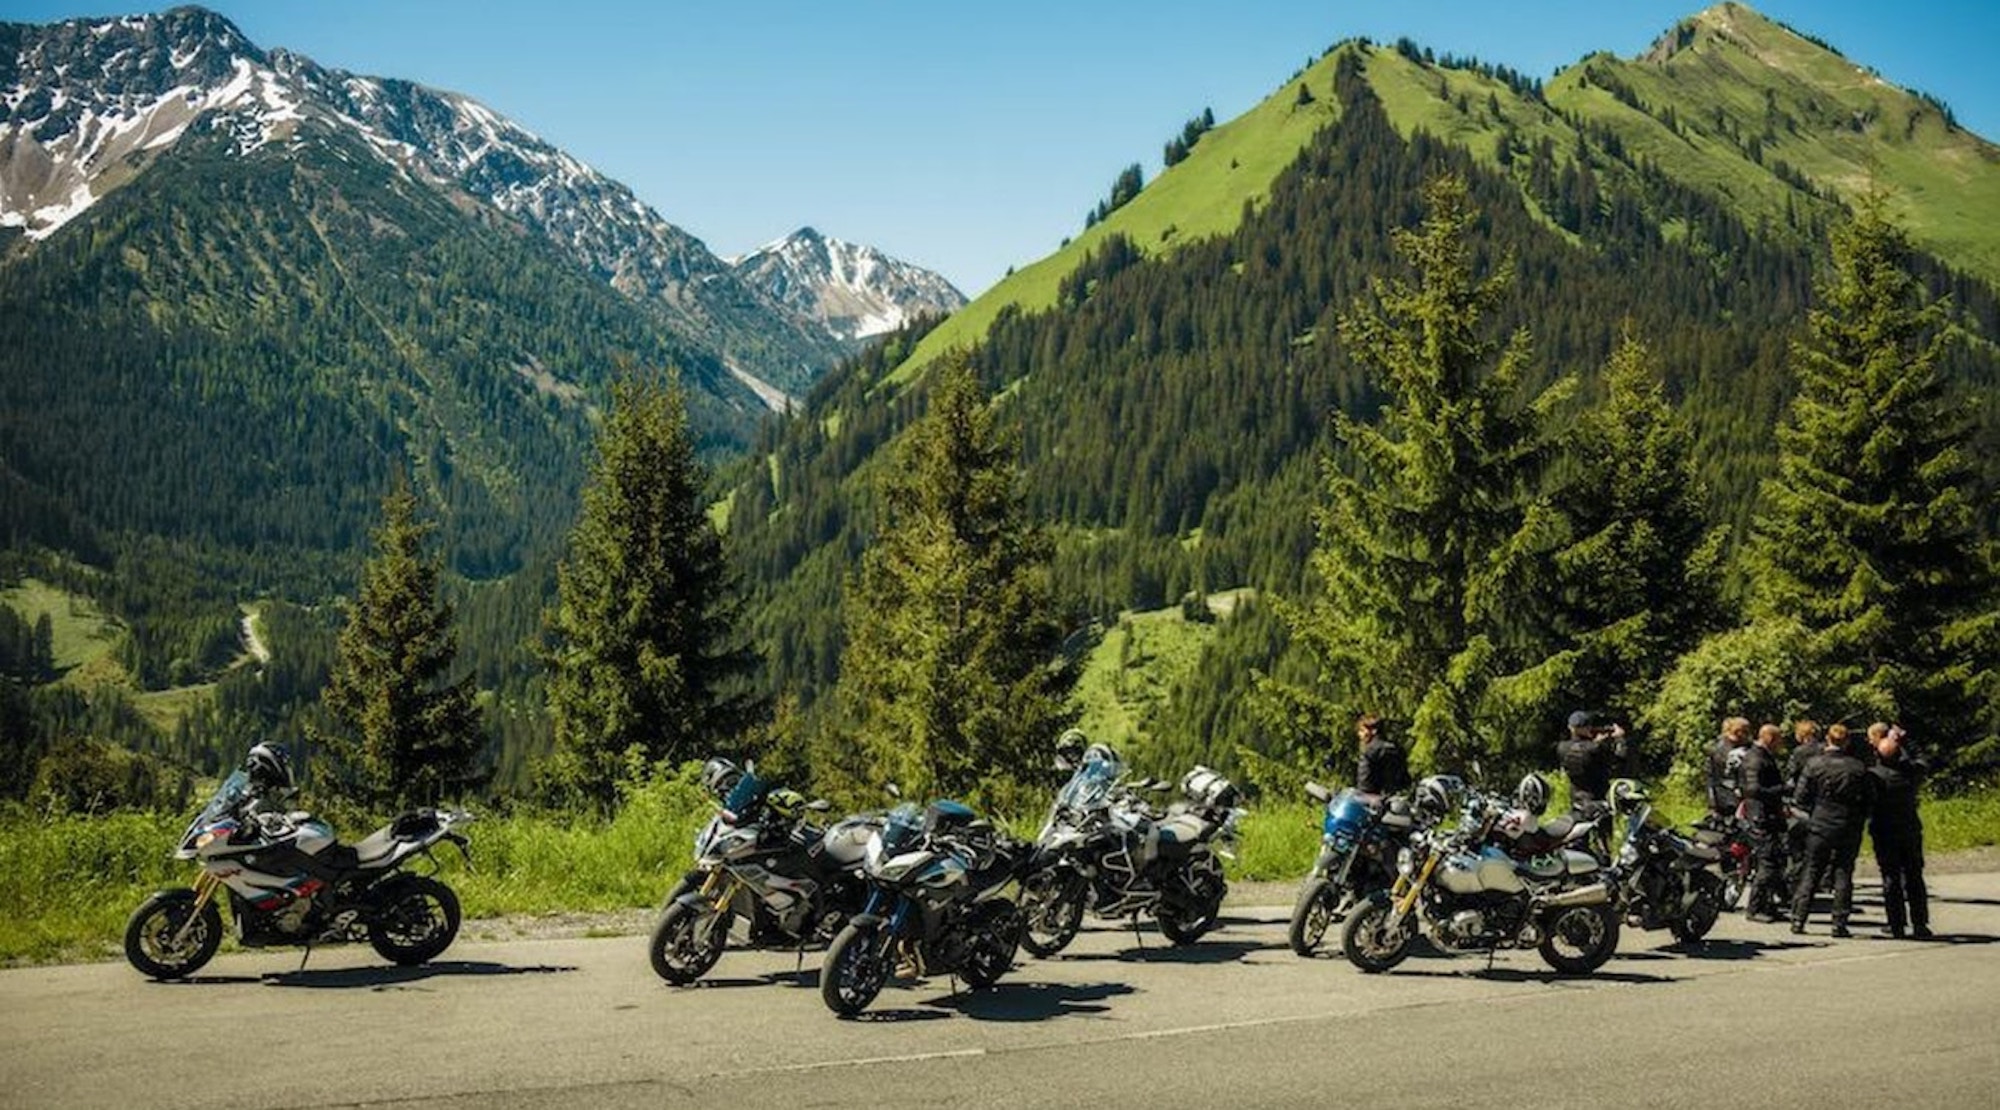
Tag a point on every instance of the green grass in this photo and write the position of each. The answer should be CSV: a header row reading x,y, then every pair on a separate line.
x,y
82,633
1130,673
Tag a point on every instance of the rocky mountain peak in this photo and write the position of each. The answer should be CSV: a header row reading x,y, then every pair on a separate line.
x,y
855,291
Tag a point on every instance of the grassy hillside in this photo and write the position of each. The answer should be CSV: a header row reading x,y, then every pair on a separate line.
x,y
82,633
1128,676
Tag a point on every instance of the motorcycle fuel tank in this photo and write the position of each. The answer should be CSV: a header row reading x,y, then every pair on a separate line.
x,y
1490,870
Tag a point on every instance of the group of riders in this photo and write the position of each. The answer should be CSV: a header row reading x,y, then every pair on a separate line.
x,y
1804,812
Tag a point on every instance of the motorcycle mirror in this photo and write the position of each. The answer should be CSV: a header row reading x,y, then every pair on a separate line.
x,y
892,790
1318,793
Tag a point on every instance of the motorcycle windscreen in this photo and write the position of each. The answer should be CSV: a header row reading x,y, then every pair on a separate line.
x,y
1091,784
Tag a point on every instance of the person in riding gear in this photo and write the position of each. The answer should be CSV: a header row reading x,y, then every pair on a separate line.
x,y
1384,766
1760,783
1836,792
1721,782
1898,832
1588,756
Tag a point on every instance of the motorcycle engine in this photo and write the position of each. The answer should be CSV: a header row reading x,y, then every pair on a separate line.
x,y
292,919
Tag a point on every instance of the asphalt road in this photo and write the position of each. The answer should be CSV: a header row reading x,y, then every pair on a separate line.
x,y
1755,1018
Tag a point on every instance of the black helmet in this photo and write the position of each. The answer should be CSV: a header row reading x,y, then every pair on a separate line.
x,y
270,769
1069,749
720,776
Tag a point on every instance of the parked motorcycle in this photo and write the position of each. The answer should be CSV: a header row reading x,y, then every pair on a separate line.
x,y
1360,836
1729,838
1497,879
761,864
1106,849
938,884
289,881
1663,880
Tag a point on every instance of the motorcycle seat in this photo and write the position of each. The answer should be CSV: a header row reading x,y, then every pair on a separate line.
x,y
376,847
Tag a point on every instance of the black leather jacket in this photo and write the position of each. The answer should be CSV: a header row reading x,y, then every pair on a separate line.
x,y
1384,769
1837,791
1721,780
1761,785
1895,819
1589,764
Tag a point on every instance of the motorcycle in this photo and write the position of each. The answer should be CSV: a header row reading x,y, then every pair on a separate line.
x,y
289,881
1729,838
938,885
1663,879
1498,879
1359,838
762,862
1105,849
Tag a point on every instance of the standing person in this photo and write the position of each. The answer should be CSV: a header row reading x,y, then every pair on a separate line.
x,y
1898,831
1385,766
1722,799
1807,745
1588,757
1760,782
1835,792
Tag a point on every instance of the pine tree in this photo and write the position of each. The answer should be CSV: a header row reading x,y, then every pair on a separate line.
x,y
1639,576
951,674
409,733
646,654
1866,535
1427,534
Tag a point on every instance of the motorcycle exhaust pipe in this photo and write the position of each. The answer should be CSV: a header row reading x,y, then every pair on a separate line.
x,y
1596,894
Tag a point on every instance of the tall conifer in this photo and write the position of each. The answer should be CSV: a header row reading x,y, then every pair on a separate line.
x,y
646,655
951,674
409,733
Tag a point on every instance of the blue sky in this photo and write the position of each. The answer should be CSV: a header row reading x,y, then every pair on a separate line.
x,y
967,137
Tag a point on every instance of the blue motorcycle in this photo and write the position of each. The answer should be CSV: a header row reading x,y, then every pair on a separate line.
x,y
1360,836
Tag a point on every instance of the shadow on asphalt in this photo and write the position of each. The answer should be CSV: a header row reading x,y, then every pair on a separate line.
x,y
377,977
806,977
1523,975
1033,1001
1201,952
1721,949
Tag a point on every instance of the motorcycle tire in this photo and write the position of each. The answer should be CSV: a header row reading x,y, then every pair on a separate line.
x,y
1183,923
1312,916
1703,907
991,953
1052,913
1733,888
1362,940
418,920
149,935
855,970
1591,930
678,955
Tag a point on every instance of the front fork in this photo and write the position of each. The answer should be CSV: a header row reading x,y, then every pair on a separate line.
x,y
205,886
718,891
1406,891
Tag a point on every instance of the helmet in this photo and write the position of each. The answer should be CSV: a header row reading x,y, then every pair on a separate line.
x,y
720,776
785,803
1533,794
270,769
1069,748
1433,795
1101,753
1627,795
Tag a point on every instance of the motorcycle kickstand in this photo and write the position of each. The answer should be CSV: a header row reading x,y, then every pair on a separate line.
x,y
1139,935
303,958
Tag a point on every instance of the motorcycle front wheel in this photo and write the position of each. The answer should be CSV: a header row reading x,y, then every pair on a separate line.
x,y
681,950
1576,940
1367,940
1703,906
149,935
1312,916
855,970
418,921
1052,905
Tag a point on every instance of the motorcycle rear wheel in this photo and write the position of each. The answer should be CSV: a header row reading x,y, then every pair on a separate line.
x,y
1312,916
855,970
1698,917
679,952
149,935
992,950
417,922
1052,909
1577,940
1183,923
1365,939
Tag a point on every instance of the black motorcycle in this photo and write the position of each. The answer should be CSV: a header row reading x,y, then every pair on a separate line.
x,y
760,862
939,880
1360,837
289,881
1663,880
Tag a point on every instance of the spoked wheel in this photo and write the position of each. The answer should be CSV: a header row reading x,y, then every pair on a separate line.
x,y
1368,941
991,952
1702,907
418,921
1313,915
1576,940
1052,906
156,944
687,942
855,970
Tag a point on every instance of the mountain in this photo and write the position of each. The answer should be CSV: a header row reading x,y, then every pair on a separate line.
x,y
856,292
1172,368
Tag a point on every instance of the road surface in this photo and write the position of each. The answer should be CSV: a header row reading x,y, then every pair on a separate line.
x,y
1756,1018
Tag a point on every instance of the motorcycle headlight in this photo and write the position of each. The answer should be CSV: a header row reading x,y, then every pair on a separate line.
x,y
1406,861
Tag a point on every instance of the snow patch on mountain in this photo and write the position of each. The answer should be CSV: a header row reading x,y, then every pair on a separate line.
x,y
856,291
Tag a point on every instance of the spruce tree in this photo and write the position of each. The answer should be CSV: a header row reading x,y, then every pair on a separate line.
x,y
951,675
1428,534
409,733
1866,535
645,651
1639,576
